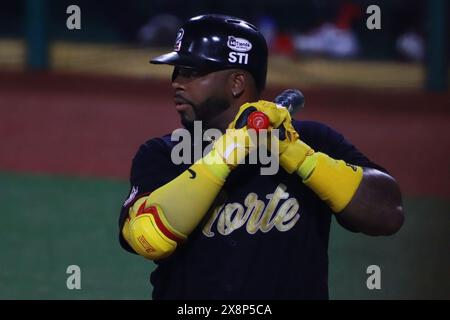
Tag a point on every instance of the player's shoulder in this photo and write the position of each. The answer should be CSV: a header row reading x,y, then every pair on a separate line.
x,y
161,146
316,133
312,127
162,143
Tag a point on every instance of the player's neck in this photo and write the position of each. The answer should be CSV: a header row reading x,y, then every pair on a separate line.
x,y
222,120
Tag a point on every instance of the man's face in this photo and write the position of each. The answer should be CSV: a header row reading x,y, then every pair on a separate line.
x,y
200,95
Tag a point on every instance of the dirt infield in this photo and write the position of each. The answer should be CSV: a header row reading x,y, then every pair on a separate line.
x,y
92,125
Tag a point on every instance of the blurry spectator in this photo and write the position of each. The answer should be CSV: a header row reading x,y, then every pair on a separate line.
x,y
159,31
328,40
335,39
333,28
411,46
268,27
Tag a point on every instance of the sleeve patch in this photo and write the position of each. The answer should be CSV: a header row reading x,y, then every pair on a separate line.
x,y
131,197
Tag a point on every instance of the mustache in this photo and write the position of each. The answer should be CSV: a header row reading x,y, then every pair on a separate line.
x,y
179,99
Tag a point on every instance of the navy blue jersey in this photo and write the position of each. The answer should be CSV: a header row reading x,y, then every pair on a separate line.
x,y
264,237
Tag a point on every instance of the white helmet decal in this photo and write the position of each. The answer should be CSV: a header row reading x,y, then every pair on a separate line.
x,y
180,35
239,44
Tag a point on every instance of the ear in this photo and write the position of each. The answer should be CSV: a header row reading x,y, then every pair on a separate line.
x,y
237,83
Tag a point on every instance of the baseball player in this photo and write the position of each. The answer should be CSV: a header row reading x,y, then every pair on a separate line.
x,y
219,229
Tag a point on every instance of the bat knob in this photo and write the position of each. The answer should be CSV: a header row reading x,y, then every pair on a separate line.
x,y
257,120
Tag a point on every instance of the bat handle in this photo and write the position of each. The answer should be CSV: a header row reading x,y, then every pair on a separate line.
x,y
258,120
291,99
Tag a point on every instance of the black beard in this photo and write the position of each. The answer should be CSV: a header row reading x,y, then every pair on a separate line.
x,y
206,111
188,125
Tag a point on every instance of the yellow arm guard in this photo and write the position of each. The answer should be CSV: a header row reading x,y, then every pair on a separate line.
x,y
334,181
186,199
147,231
158,222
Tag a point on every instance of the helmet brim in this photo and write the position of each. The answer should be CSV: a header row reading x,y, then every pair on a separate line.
x,y
185,60
175,59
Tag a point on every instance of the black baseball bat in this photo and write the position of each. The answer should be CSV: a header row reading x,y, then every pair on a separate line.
x,y
292,99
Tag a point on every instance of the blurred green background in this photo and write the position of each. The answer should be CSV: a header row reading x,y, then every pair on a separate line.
x,y
75,105
53,222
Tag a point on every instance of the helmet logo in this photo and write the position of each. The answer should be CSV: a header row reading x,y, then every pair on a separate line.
x,y
180,35
239,44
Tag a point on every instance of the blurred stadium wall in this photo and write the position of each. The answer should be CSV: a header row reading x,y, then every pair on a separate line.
x,y
76,104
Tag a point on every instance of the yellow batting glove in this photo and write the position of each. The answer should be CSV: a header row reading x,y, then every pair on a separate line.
x,y
292,151
276,113
234,146
293,154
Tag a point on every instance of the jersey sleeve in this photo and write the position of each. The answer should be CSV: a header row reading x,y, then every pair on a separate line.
x,y
151,168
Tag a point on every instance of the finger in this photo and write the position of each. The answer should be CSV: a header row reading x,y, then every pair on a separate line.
x,y
282,133
242,120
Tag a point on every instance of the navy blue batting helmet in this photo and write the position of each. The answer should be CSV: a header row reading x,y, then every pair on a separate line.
x,y
218,42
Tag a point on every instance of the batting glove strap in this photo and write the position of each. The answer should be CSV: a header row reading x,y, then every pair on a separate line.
x,y
292,154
